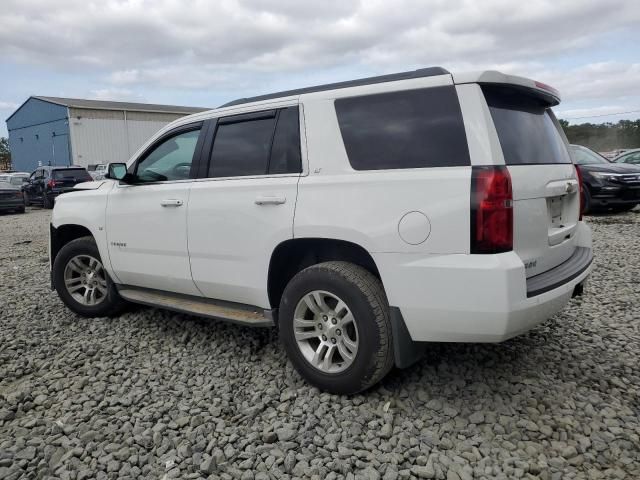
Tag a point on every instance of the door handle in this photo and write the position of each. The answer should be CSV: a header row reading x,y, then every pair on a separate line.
x,y
270,200
171,202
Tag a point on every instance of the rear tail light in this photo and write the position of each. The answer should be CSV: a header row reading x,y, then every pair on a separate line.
x,y
51,183
580,188
491,210
19,194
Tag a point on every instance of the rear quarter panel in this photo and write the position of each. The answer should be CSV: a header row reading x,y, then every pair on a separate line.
x,y
365,207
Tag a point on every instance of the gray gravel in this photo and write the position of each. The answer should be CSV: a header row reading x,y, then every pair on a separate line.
x,y
153,394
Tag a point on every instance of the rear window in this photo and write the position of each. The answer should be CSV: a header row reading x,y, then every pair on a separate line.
x,y
74,173
528,131
406,129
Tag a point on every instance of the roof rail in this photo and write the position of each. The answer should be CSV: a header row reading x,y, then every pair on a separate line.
x,y
421,72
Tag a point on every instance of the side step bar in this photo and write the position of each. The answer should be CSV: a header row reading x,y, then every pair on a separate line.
x,y
203,307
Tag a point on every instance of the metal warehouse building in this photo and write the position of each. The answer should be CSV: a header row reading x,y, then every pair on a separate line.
x,y
66,131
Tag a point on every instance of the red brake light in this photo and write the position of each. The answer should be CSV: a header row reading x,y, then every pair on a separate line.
x,y
51,183
491,210
580,187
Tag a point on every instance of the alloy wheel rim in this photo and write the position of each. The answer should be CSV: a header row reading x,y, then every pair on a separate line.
x,y
325,331
85,280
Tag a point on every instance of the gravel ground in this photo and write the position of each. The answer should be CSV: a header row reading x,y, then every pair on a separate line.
x,y
153,394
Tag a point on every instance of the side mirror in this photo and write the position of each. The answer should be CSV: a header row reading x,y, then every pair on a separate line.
x,y
117,171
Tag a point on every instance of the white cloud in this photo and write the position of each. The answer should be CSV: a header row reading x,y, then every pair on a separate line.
x,y
201,42
257,46
8,105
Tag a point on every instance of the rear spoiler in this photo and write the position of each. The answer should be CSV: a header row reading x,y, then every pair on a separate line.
x,y
550,94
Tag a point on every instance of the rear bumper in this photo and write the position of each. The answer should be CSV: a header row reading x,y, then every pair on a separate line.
x,y
475,298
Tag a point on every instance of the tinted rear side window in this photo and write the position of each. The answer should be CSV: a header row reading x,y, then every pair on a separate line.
x,y
75,174
285,154
528,131
259,146
407,129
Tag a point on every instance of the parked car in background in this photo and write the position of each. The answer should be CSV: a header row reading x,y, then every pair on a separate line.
x,y
11,197
19,178
98,171
630,156
47,182
361,218
606,185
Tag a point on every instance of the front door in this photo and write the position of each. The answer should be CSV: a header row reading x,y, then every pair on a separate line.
x,y
147,219
244,207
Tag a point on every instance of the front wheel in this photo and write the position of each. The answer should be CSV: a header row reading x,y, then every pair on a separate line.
x,y
335,326
82,282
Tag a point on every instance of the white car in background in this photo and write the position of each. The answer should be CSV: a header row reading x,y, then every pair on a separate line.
x,y
362,218
97,172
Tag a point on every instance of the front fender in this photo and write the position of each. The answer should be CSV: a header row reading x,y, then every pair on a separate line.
x,y
85,208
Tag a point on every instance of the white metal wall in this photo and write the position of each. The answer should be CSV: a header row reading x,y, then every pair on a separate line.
x,y
103,136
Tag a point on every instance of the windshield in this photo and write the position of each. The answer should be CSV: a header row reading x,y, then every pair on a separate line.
x,y
584,156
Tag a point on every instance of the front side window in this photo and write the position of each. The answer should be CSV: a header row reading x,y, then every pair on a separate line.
x,y
406,129
169,160
266,144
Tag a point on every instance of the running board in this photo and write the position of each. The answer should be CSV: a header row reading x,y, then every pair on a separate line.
x,y
203,307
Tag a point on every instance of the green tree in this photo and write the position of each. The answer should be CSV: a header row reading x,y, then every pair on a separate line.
x,y
5,154
604,137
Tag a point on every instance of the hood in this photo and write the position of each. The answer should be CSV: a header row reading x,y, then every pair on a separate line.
x,y
89,185
611,168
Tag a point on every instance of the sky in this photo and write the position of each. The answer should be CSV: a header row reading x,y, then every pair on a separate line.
x,y
205,53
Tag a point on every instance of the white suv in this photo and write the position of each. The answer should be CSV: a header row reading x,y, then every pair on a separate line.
x,y
361,218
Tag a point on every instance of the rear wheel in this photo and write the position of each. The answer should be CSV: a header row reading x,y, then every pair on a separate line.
x,y
335,326
82,282
47,202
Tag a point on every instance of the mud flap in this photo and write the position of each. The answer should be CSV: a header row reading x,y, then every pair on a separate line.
x,y
406,352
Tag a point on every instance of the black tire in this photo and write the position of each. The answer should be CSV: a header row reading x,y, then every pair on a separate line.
x,y
365,297
27,200
46,201
111,303
21,209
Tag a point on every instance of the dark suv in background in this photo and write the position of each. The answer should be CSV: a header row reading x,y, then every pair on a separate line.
x,y
607,185
46,183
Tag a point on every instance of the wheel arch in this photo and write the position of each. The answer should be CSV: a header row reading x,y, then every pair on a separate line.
x,y
63,234
294,255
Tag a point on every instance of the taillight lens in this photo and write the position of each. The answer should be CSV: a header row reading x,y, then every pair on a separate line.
x,y
51,183
491,210
19,194
580,186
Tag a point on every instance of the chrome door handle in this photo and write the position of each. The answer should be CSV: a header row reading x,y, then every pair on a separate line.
x,y
270,200
171,202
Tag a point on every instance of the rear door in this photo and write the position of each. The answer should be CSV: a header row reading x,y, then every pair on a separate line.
x,y
243,206
546,193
